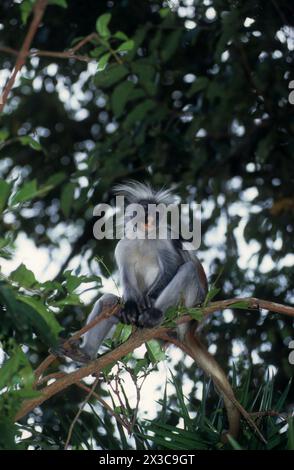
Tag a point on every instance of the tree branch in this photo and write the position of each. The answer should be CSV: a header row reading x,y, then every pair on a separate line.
x,y
106,313
135,340
38,12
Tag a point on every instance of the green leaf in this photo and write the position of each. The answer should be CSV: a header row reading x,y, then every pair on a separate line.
x,y
121,35
98,51
111,75
24,316
126,46
103,61
139,112
72,281
164,12
9,369
60,3
171,44
28,140
56,179
141,365
154,351
264,148
196,313
120,97
23,276
234,443
4,242
242,305
4,194
3,135
66,198
42,310
70,299
102,25
290,444
200,84
230,24
27,192
213,291
26,8
146,74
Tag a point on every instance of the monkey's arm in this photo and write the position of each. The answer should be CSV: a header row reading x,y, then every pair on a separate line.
x,y
169,264
133,297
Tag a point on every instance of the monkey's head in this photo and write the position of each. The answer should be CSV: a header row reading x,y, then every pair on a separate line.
x,y
145,209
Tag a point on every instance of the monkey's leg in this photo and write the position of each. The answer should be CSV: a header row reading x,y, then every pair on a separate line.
x,y
185,287
93,338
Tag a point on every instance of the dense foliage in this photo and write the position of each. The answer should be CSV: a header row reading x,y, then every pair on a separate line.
x,y
192,93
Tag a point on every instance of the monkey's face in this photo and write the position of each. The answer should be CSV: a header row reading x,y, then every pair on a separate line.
x,y
142,220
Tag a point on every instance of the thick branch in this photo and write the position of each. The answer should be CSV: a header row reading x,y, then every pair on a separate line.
x,y
136,340
38,12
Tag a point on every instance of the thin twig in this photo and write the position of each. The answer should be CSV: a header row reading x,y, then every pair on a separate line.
x,y
104,404
38,12
262,414
54,375
71,428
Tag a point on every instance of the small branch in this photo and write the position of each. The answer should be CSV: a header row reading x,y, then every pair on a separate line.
x,y
71,428
38,12
104,404
262,414
9,50
69,54
54,375
61,55
43,366
252,302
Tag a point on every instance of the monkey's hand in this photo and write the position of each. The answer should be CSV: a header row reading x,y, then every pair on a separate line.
x,y
143,316
130,312
150,318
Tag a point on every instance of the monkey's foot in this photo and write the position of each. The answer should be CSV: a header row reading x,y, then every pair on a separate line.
x,y
71,350
150,318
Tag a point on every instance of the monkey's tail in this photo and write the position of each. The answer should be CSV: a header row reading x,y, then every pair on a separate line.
x,y
211,368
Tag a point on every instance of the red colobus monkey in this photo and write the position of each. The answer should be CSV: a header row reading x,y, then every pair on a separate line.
x,y
155,273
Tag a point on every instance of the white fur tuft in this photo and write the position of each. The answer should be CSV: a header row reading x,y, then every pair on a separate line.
x,y
136,192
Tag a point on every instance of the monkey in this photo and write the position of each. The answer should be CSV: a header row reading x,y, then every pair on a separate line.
x,y
156,274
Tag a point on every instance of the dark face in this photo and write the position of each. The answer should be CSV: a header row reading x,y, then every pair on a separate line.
x,y
151,221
